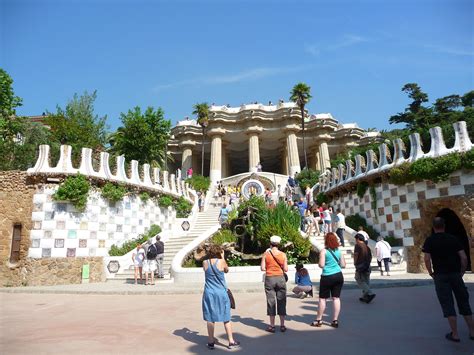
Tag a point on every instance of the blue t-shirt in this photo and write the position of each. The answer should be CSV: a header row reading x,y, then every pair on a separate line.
x,y
302,206
301,280
331,266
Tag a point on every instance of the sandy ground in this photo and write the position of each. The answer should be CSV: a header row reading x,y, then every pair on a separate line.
x,y
405,320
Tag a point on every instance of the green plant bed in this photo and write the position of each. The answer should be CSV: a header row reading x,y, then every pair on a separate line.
x,y
132,244
113,192
183,207
165,201
199,182
307,177
224,236
394,242
74,189
355,221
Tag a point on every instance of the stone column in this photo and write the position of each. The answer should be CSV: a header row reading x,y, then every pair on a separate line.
x,y
316,159
284,160
324,156
186,160
254,148
225,161
215,171
293,156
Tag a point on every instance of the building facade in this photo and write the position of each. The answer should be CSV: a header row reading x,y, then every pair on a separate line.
x,y
239,139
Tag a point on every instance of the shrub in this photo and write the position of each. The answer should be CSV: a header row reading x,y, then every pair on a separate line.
x,y
113,192
183,207
144,196
74,189
307,177
132,244
321,198
224,236
467,160
355,221
394,242
362,187
401,175
165,201
199,182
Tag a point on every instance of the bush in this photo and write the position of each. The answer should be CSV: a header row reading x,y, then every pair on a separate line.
x,y
307,177
394,242
144,196
199,182
401,175
132,244
224,236
467,160
362,187
355,221
74,189
165,201
183,207
113,192
322,198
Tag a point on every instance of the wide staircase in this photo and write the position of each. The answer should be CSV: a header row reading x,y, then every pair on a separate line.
x,y
204,221
348,252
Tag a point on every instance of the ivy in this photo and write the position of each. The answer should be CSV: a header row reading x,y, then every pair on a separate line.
x,y
362,187
165,201
355,221
434,169
144,196
74,189
113,192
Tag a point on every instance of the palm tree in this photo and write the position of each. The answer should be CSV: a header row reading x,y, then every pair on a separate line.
x,y
202,112
301,96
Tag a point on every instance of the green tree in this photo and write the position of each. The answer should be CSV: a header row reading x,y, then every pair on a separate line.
x,y
19,137
143,136
77,125
415,115
202,114
300,94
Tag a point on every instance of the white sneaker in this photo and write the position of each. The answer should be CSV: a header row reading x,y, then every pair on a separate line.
x,y
302,295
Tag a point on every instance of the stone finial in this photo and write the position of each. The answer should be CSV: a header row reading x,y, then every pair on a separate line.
x,y
359,165
398,151
166,184
120,174
104,170
42,164
415,147
146,175
349,170
462,142
172,183
156,175
333,177
65,160
340,174
438,147
385,156
135,178
371,161
86,167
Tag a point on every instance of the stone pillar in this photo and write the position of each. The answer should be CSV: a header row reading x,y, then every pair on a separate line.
x,y
225,162
284,160
324,156
215,171
293,156
254,148
316,159
186,160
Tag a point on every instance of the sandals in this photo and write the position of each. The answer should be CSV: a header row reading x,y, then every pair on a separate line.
x,y
210,346
335,323
449,336
233,345
282,328
270,329
317,323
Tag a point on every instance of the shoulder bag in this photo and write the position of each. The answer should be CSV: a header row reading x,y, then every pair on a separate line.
x,y
229,292
281,267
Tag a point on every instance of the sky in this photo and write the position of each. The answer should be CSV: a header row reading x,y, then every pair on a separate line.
x,y
355,55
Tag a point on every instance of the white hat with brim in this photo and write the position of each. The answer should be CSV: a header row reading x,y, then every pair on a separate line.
x,y
275,239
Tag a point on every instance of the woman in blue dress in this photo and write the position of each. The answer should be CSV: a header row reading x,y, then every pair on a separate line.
x,y
215,301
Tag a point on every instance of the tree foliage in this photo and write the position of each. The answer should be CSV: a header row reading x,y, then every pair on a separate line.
x,y
19,137
77,125
143,136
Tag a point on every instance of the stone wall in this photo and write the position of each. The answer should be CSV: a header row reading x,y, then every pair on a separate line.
x,y
16,196
54,271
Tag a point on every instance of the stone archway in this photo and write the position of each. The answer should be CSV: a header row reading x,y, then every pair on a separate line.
x,y
455,227
462,206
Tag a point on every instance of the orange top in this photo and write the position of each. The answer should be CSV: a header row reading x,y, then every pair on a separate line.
x,y
271,266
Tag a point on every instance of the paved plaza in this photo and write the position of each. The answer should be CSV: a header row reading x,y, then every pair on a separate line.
x,y
401,320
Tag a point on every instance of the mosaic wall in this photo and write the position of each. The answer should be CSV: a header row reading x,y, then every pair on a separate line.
x,y
58,230
397,206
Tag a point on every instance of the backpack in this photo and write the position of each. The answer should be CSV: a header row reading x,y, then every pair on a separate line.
x,y
151,252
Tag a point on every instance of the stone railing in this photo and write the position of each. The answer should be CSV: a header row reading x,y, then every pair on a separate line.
x,y
373,164
154,180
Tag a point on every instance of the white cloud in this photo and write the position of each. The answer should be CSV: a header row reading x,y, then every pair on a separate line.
x,y
246,75
346,41
450,50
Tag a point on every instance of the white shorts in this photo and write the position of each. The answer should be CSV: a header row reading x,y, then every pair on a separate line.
x,y
138,263
149,265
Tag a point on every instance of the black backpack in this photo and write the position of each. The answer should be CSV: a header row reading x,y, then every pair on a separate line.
x,y
151,252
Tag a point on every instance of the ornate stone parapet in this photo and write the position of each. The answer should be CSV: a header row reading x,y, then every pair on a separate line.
x,y
438,147
462,142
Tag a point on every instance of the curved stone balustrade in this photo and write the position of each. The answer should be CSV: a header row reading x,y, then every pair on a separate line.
x,y
64,166
383,162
